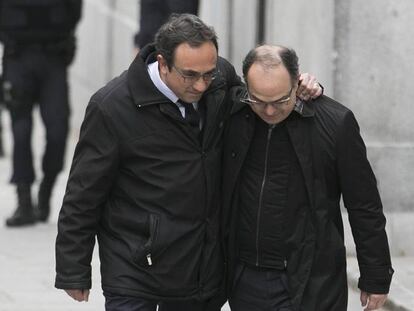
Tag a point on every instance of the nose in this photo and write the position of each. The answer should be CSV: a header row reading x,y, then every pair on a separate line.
x,y
269,110
200,85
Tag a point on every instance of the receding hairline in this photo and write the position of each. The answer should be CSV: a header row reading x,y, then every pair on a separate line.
x,y
268,56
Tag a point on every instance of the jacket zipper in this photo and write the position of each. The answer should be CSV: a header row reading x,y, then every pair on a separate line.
x,y
269,135
153,227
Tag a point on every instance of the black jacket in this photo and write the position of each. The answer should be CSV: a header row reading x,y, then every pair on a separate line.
x,y
141,182
332,157
37,21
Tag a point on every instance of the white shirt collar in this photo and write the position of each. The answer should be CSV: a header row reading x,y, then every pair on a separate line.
x,y
159,84
154,74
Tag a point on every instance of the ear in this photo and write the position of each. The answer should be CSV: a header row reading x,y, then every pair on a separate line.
x,y
162,63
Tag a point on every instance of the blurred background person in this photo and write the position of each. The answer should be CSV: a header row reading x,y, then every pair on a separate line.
x,y
1,102
39,45
154,13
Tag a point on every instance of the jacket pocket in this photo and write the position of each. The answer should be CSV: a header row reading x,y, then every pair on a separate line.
x,y
144,255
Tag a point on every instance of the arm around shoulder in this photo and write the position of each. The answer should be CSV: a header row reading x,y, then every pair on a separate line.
x,y
228,72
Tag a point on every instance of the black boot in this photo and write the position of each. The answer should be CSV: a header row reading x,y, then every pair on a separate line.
x,y
24,213
43,199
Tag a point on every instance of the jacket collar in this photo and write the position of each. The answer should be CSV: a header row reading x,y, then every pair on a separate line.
x,y
140,85
304,108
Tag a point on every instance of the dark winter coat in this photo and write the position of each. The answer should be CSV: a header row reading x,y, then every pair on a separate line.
x,y
144,185
37,21
333,161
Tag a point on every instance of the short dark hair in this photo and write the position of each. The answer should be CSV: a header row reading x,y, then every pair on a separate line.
x,y
271,56
182,28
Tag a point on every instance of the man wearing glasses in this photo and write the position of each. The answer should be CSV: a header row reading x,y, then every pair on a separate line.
x,y
286,165
146,175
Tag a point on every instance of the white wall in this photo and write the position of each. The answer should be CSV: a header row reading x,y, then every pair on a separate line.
x,y
308,27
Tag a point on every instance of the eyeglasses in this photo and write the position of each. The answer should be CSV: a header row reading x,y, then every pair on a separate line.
x,y
192,77
262,105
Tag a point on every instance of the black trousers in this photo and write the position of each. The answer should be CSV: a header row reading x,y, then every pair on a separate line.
x,y
37,76
125,303
257,289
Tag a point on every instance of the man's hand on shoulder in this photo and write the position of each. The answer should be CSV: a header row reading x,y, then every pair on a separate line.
x,y
78,294
308,87
372,301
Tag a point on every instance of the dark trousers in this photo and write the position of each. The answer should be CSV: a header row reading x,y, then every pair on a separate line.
x,y
257,289
125,303
37,76
154,13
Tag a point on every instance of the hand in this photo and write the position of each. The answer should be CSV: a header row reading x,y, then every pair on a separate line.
x,y
372,301
78,294
308,87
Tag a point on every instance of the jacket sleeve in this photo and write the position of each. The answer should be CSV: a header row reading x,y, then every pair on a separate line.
x,y
76,11
363,203
93,169
233,83
227,71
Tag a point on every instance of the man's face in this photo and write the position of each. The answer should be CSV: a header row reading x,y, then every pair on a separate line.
x,y
271,93
191,73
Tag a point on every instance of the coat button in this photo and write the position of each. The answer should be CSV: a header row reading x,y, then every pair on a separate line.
x,y
233,154
247,116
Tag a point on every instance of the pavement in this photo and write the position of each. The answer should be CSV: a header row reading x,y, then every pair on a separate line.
x,y
27,254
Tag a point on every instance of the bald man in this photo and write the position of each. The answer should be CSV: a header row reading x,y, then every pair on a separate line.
x,y
287,164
